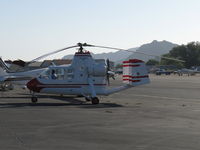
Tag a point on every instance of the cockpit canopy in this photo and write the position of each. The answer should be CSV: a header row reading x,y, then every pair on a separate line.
x,y
57,73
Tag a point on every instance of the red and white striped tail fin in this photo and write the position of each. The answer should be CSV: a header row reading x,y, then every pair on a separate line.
x,y
135,72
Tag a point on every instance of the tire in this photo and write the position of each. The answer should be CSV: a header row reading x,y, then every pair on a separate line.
x,y
34,99
95,101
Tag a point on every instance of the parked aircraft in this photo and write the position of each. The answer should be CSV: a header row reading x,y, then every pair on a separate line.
x,y
188,72
20,78
86,77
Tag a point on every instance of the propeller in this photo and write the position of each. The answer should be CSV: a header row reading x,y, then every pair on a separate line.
x,y
107,70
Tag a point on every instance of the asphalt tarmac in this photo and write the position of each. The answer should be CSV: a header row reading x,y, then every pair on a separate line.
x,y
163,115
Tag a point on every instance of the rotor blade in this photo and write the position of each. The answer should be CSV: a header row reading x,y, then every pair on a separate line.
x,y
51,53
119,49
160,56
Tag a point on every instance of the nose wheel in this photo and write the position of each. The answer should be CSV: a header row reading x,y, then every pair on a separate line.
x,y
95,100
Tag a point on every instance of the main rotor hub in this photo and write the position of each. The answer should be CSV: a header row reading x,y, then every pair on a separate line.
x,y
80,50
81,45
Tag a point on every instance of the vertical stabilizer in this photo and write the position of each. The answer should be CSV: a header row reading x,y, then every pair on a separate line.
x,y
2,72
3,66
135,72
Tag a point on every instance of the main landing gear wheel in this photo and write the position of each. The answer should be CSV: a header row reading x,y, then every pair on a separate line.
x,y
34,99
95,100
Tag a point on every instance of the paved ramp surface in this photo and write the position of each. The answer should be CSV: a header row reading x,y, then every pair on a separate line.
x,y
164,115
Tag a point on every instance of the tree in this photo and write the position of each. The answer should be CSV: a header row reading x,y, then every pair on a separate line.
x,y
119,66
152,62
164,61
189,53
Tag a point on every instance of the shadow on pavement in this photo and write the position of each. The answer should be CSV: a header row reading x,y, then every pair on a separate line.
x,y
66,101
80,105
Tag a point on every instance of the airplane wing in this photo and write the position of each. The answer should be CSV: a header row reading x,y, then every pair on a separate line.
x,y
14,78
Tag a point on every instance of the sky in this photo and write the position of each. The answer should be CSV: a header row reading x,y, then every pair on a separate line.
x,y
31,28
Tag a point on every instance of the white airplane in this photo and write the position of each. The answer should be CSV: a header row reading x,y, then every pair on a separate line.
x,y
22,77
86,77
18,78
186,71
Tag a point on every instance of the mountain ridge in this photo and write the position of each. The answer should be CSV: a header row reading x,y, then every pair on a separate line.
x,y
157,48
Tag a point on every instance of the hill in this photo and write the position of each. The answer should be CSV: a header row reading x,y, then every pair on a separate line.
x,y
157,48
154,48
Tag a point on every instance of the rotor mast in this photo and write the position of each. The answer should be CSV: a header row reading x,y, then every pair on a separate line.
x,y
81,45
80,50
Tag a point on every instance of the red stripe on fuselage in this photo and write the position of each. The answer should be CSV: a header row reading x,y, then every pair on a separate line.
x,y
43,86
37,86
131,80
128,76
57,86
133,61
66,85
83,55
131,65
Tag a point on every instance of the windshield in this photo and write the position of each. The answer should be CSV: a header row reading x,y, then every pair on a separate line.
x,y
53,73
45,74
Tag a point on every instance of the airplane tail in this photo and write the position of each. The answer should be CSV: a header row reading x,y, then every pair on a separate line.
x,y
3,66
135,72
3,73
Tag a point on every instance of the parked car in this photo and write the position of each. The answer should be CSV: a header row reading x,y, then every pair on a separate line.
x,y
163,71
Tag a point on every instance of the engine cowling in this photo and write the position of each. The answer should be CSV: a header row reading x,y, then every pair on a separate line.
x,y
97,70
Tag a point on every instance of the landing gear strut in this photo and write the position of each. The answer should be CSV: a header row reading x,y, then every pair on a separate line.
x,y
34,98
88,99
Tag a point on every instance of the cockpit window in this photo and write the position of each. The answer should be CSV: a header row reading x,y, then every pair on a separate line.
x,y
53,73
59,73
69,74
69,70
45,74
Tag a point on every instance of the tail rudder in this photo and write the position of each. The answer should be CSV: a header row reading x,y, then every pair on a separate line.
x,y
3,65
2,72
135,72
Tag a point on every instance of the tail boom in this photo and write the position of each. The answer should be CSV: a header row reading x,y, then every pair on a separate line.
x,y
134,74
